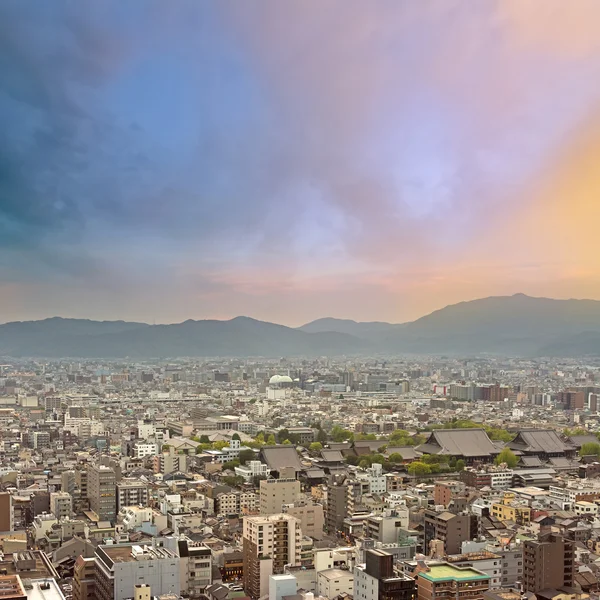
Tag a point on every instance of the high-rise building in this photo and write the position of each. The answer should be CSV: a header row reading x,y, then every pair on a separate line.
x,y
102,492
274,493
548,563
377,579
571,400
337,506
269,544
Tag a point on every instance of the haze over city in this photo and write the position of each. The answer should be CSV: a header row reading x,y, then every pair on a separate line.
x,y
163,161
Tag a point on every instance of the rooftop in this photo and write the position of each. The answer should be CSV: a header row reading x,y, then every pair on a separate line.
x,y
445,572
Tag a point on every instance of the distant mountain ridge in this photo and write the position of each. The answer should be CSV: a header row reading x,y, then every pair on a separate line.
x,y
515,325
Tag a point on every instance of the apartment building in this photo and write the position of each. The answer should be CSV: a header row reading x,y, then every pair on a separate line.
x,y
131,492
270,543
274,493
548,563
448,582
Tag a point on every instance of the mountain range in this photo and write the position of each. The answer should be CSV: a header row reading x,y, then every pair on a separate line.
x,y
510,325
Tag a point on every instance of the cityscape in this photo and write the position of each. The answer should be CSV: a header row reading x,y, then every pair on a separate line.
x,y
299,300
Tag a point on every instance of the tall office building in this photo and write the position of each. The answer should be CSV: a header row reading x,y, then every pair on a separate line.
x,y
102,492
269,544
274,493
548,563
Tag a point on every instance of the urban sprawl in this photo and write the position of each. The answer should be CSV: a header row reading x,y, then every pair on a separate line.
x,y
430,478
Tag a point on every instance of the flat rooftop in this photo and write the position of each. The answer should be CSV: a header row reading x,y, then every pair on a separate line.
x,y
450,572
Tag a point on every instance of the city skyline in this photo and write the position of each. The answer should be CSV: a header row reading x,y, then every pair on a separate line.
x,y
165,162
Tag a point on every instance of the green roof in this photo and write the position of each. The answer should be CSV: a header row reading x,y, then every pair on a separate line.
x,y
446,572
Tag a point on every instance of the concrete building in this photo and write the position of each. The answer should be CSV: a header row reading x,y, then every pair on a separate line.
x,y
448,582
337,506
102,492
333,582
385,528
269,544
376,479
252,469
61,504
120,567
131,492
310,515
142,449
195,567
169,462
84,579
548,563
6,512
376,579
450,528
274,493
282,585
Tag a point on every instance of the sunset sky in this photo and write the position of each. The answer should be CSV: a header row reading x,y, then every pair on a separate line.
x,y
289,160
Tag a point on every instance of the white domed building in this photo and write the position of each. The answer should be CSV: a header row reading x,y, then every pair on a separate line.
x,y
278,384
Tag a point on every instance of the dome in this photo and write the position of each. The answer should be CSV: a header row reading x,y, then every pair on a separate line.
x,y
278,379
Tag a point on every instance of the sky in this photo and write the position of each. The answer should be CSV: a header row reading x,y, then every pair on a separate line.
x,y
163,161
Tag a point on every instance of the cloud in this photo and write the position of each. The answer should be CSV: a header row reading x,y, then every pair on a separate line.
x,y
236,152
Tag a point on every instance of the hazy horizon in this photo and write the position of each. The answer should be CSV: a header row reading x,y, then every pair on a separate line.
x,y
170,161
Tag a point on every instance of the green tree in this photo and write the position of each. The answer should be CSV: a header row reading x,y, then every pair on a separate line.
x,y
508,457
590,449
364,463
316,447
166,447
233,480
283,434
236,436
219,445
204,439
460,465
287,443
382,448
260,439
246,455
395,457
271,440
231,465
321,436
418,469
341,435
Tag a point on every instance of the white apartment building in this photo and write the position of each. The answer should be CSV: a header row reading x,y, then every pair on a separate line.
x,y
376,479
132,517
143,449
252,469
